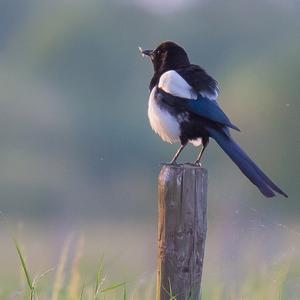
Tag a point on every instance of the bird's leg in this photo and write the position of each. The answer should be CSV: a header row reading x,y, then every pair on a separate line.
x,y
173,161
205,142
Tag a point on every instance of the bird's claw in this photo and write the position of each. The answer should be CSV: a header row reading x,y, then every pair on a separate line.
x,y
172,163
197,164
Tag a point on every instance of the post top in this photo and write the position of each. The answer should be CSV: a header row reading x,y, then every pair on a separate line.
x,y
184,166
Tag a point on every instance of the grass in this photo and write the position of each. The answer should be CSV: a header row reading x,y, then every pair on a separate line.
x,y
78,271
30,283
59,291
68,282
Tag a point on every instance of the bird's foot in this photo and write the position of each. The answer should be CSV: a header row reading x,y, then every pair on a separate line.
x,y
189,164
172,163
198,163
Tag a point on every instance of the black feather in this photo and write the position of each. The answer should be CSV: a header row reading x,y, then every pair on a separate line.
x,y
198,79
245,164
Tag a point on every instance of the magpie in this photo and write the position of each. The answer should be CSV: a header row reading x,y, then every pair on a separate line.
x,y
183,108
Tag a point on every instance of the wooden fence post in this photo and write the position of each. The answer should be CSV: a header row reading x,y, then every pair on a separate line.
x,y
182,226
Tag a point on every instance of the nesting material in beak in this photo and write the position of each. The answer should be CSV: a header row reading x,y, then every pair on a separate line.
x,y
145,52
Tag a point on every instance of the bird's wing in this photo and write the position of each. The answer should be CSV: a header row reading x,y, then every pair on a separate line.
x,y
200,81
202,107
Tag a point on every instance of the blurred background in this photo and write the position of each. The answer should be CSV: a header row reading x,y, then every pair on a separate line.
x,y
78,156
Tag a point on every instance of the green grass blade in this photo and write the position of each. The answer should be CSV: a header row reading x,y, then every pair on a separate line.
x,y
27,275
82,292
99,277
112,287
124,292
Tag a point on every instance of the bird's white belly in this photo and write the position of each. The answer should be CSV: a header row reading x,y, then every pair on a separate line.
x,y
162,122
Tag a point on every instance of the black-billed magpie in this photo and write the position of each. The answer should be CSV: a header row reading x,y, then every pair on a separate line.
x,y
183,108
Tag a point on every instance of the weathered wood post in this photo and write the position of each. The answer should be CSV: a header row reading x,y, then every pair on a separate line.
x,y
182,227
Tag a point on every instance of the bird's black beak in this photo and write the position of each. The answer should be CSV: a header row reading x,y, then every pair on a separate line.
x,y
145,52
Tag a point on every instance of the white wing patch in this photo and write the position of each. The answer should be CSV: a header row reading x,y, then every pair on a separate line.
x,y
163,123
172,83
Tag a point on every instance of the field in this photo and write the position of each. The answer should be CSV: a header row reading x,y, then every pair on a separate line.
x,y
117,261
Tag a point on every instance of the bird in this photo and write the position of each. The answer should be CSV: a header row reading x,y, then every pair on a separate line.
x,y
183,108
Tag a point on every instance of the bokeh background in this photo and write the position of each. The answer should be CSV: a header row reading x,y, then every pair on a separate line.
x,y
77,155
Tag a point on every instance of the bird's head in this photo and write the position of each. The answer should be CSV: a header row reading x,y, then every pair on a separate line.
x,y
168,55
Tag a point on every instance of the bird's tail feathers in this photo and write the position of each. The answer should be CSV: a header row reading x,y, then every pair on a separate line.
x,y
246,164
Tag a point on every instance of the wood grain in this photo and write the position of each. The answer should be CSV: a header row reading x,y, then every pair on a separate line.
x,y
182,226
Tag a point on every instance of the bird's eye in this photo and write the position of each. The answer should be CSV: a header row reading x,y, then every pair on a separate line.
x,y
157,52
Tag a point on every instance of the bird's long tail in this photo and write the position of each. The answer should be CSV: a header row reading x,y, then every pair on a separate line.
x,y
245,163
